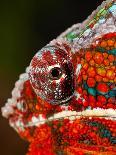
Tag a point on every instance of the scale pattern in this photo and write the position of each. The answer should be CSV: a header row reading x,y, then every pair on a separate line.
x,y
65,102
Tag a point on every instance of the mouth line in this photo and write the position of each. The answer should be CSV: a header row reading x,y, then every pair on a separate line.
x,y
73,115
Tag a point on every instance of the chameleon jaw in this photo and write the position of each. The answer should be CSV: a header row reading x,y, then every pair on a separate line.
x,y
72,116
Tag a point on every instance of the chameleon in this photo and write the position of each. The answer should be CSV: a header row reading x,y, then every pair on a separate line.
x,y
65,102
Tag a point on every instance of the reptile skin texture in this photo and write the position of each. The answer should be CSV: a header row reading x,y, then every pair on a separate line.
x,y
65,102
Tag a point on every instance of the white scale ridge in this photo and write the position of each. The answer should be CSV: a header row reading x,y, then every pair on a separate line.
x,y
72,115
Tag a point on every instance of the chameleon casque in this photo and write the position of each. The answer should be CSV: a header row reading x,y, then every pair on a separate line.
x,y
65,102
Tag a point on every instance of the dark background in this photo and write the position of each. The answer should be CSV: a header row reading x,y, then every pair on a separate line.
x,y
25,27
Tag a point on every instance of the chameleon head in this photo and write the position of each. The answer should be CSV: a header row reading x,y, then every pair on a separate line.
x,y
51,75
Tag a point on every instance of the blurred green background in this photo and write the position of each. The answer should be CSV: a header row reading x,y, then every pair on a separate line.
x,y
25,27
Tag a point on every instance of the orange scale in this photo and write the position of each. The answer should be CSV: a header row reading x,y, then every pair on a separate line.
x,y
105,55
113,68
83,72
98,78
85,66
105,79
101,71
110,42
103,44
110,74
91,72
92,99
98,57
106,62
85,77
93,104
79,79
79,90
85,104
85,96
102,87
110,105
88,55
38,108
102,99
91,82
92,62
112,100
111,58
113,134
99,104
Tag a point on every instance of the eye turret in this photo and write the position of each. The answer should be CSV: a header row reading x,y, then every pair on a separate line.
x,y
51,75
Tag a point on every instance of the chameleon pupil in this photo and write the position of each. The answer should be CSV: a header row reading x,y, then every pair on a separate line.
x,y
56,73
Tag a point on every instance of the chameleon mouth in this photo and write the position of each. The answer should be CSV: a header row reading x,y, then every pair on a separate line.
x,y
73,115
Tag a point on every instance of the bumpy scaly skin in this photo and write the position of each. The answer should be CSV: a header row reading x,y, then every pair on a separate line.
x,y
65,102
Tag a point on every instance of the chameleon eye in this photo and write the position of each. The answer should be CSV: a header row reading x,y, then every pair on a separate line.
x,y
55,73
51,75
